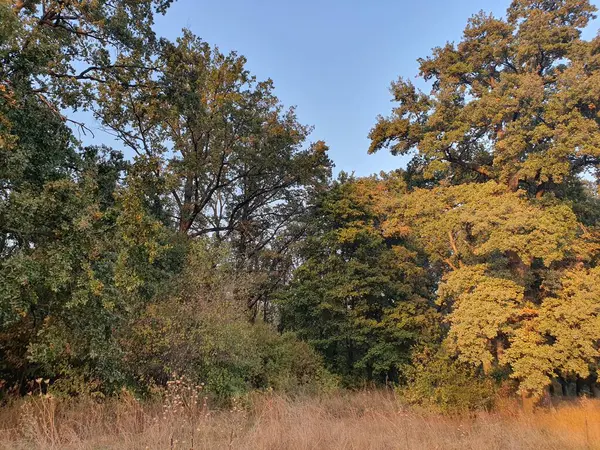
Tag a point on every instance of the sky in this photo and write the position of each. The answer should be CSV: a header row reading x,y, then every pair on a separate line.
x,y
332,59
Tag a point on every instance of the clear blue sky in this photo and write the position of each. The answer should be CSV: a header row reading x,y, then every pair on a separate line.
x,y
333,59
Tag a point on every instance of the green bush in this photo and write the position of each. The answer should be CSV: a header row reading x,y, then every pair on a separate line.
x,y
223,350
288,364
201,330
439,381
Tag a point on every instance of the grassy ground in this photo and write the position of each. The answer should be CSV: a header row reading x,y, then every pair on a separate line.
x,y
364,420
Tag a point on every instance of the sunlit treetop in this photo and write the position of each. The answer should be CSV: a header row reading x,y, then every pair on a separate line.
x,y
517,100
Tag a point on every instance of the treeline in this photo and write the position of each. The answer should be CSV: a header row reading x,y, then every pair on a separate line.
x,y
213,242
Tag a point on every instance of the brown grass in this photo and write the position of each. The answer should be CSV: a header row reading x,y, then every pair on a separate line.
x,y
364,420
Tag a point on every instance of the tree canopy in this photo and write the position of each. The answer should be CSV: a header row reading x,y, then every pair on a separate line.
x,y
515,101
504,147
222,248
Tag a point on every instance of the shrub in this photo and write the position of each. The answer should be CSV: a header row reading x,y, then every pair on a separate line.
x,y
200,329
221,349
439,381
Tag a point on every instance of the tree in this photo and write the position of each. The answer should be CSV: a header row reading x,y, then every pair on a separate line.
x,y
64,49
515,101
508,265
222,157
77,267
497,197
87,239
360,295
229,152
73,263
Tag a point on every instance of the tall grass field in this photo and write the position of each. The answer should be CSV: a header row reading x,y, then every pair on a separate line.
x,y
184,419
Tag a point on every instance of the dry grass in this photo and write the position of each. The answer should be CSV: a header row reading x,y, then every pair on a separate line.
x,y
364,420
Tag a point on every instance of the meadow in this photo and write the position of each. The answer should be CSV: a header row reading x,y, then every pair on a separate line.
x,y
359,420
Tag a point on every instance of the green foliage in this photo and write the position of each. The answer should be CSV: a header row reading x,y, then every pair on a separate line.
x,y
359,297
516,101
436,380
200,330
88,244
116,272
76,274
218,155
70,274
228,156
65,49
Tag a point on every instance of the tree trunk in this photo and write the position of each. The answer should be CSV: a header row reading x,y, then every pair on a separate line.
x,y
528,402
571,389
557,387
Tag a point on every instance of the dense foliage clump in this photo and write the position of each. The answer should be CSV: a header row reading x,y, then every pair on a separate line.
x,y
501,202
361,295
